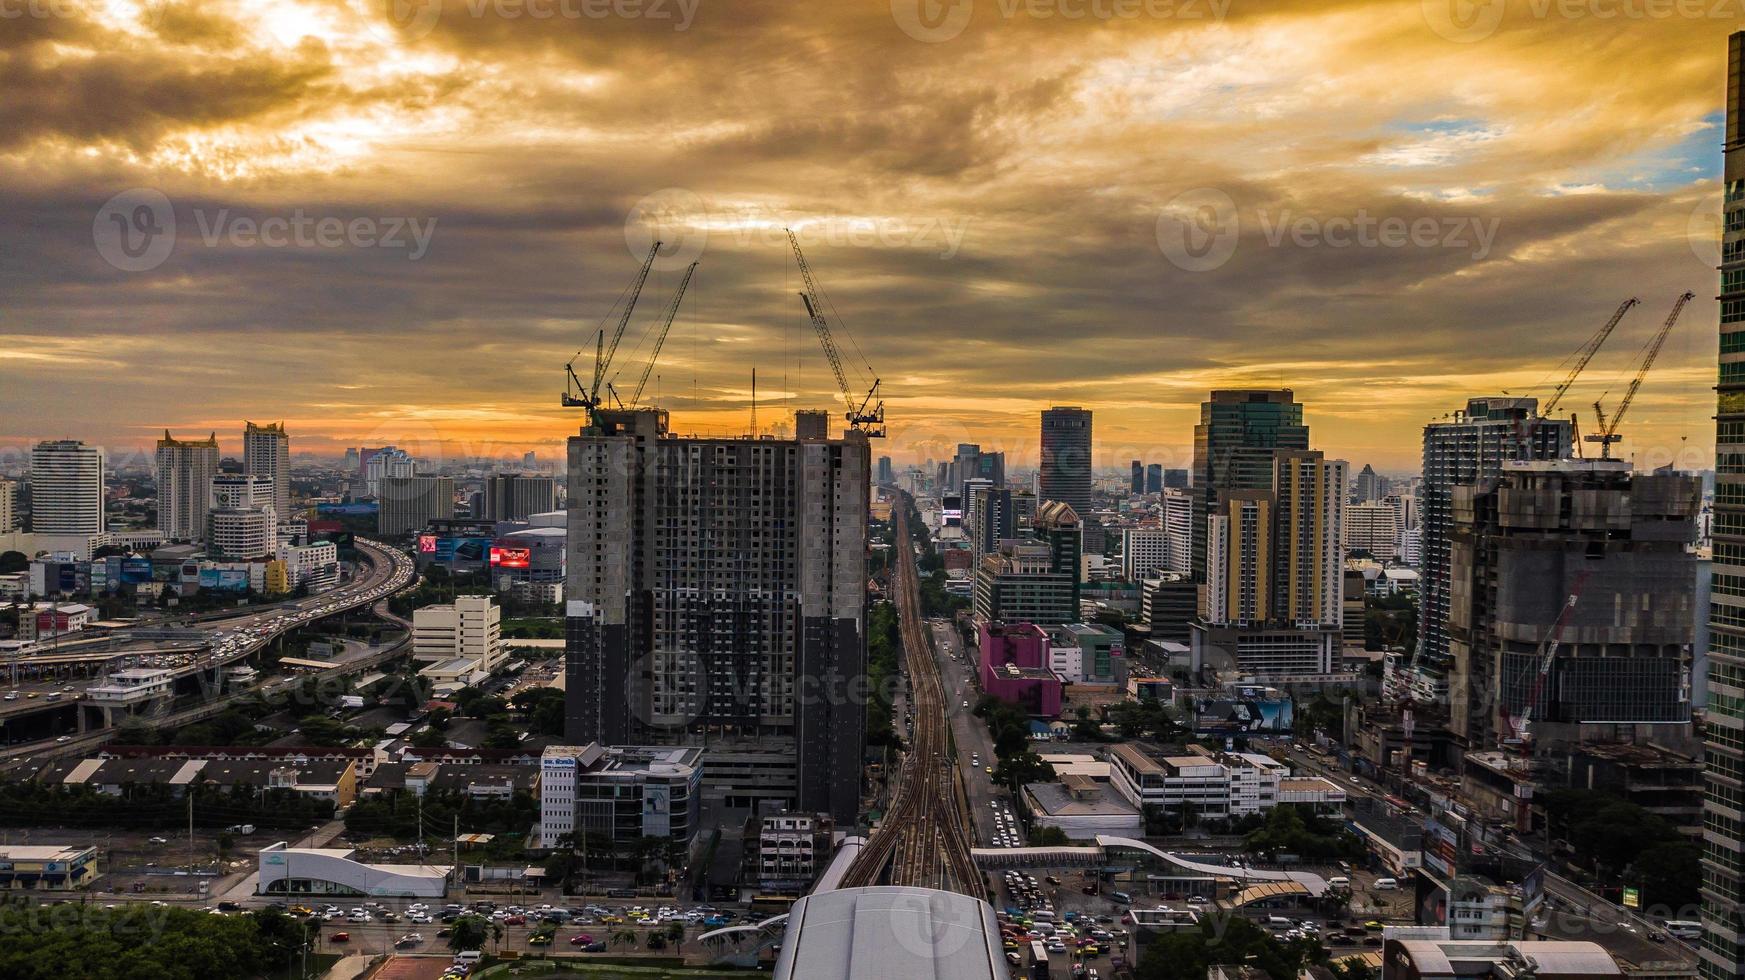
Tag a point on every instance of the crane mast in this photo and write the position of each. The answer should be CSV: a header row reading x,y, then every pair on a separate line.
x,y
1608,427
666,324
861,417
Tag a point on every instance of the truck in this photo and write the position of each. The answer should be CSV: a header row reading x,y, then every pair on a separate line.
x,y
351,701
240,828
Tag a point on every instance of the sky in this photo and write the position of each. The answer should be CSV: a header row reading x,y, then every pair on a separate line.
x,y
394,221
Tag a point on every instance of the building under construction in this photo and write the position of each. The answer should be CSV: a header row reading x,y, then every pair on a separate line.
x,y
1571,616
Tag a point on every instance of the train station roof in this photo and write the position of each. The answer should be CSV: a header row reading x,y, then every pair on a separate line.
x,y
891,933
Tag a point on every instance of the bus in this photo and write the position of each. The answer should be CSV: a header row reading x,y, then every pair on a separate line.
x,y
1684,929
1039,962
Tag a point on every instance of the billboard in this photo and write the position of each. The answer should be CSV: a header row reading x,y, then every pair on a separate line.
x,y
512,557
1245,716
656,810
451,549
224,579
135,570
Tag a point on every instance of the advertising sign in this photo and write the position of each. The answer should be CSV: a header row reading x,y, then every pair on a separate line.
x,y
656,811
1256,716
512,557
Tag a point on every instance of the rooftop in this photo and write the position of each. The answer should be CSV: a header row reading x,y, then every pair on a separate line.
x,y
890,933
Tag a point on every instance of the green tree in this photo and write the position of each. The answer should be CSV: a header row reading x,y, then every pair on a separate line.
x,y
1186,955
468,932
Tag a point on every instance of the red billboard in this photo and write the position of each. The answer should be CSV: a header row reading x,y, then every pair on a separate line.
x,y
512,557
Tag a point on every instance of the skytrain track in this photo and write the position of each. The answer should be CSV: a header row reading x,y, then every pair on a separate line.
x,y
923,839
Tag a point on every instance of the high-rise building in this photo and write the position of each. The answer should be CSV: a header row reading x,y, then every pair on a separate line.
x,y
1367,488
1138,486
242,533
185,471
716,596
1469,446
1274,590
1065,471
266,452
1602,550
1723,915
1373,528
992,520
8,506
471,628
407,503
1154,478
518,496
886,475
240,491
971,463
1239,432
1176,508
1175,479
389,462
1144,552
66,488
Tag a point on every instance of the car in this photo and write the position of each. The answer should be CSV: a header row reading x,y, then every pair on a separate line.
x,y
539,939
1196,899
63,739
159,840
581,939
595,947
340,937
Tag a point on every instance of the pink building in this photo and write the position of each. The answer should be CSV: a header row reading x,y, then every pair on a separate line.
x,y
1014,667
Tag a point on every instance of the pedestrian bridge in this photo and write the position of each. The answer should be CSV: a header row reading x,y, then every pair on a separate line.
x,y
1109,850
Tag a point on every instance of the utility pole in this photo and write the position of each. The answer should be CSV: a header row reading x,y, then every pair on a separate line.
x,y
190,829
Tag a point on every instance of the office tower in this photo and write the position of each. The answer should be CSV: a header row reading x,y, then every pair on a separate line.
x,y
530,460
1138,482
1466,447
1034,579
1353,638
1175,479
517,496
351,460
971,463
993,520
241,533
1234,443
1372,528
1168,606
66,488
8,506
239,491
886,476
1144,552
1065,471
185,471
1176,508
1723,946
407,503
716,596
1366,488
266,452
1526,544
1274,591
1405,508
1154,478
469,628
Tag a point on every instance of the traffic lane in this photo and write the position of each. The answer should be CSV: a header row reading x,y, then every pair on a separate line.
x,y
969,734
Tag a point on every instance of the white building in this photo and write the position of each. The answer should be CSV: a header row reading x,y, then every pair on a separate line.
x,y
389,463
66,488
185,468
470,629
619,793
1200,783
132,686
247,533
332,872
1177,508
266,453
315,564
8,506
1144,552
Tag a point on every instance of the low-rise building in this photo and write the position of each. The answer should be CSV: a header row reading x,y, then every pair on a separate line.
x,y
787,851
470,628
46,867
619,793
1081,807
1196,781
1455,959
323,872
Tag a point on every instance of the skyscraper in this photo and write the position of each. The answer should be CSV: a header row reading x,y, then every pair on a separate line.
x,y
1367,488
885,473
266,452
8,506
716,596
1138,486
407,503
1154,478
185,471
1065,473
1723,887
66,488
1240,430
1469,446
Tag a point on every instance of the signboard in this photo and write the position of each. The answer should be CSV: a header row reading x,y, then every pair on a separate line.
x,y
512,557
427,544
135,570
656,811
458,550
1632,898
224,579
1440,847
1257,716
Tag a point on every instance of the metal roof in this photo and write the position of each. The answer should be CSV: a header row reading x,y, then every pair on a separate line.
x,y
891,933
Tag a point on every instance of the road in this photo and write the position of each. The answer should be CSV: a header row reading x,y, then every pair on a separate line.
x,y
924,839
390,571
973,742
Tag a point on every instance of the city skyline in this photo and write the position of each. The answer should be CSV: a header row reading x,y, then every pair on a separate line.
x,y
918,200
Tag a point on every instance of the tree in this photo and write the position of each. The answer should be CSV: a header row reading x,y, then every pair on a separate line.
x,y
675,933
1049,837
1186,955
623,937
14,561
468,932
1668,873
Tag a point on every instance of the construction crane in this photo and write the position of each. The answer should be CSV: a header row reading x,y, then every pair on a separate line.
x,y
1586,354
578,395
666,324
1553,640
861,418
1608,428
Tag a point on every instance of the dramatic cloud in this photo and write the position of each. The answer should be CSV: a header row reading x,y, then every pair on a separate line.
x,y
394,222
